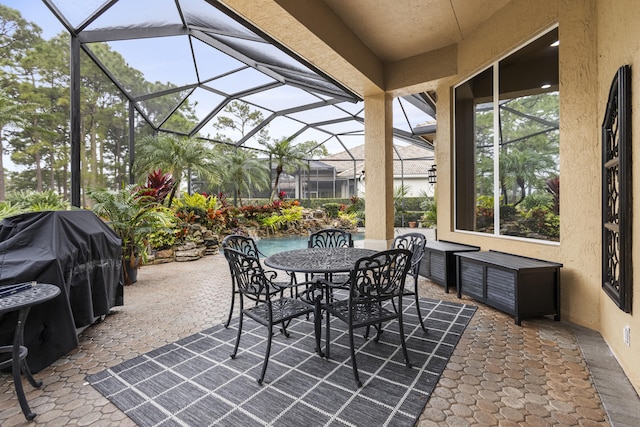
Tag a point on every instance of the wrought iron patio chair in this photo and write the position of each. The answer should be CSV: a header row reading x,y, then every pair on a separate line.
x,y
415,243
374,281
331,238
248,246
255,284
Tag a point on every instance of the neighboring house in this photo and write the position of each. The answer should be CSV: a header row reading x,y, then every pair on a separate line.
x,y
410,168
319,181
341,175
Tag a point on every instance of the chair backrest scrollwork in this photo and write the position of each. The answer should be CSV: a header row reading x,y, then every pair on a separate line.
x,y
331,238
248,274
244,244
379,277
415,243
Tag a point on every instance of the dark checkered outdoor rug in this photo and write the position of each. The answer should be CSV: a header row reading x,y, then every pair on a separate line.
x,y
193,382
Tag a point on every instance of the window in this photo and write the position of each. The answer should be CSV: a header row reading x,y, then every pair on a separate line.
x,y
507,172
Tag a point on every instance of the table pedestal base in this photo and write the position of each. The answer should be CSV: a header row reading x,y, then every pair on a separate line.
x,y
18,366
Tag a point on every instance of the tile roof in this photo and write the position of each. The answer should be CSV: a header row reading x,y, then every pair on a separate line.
x,y
417,161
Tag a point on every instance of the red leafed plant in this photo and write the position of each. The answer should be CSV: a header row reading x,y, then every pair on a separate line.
x,y
159,185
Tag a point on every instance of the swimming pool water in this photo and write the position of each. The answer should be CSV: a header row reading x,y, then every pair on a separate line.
x,y
273,245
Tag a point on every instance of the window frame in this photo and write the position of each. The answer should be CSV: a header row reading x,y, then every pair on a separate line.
x,y
495,67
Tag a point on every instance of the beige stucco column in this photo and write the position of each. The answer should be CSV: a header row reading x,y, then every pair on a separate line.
x,y
378,166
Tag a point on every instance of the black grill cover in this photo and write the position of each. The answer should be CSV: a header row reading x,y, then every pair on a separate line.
x,y
74,250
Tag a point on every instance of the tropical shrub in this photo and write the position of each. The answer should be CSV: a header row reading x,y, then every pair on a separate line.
x,y
252,212
508,212
430,216
350,217
271,222
286,217
197,200
357,207
191,214
536,199
225,218
484,211
133,216
199,208
415,203
8,209
331,209
533,216
357,204
399,196
162,239
37,201
542,220
292,213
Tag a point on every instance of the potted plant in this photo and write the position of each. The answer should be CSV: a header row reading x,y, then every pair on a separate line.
x,y
133,214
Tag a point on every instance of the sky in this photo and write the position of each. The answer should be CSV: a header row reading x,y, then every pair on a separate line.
x,y
36,12
142,55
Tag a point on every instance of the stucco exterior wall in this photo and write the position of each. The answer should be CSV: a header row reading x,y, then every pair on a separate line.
x,y
379,166
596,37
416,187
618,44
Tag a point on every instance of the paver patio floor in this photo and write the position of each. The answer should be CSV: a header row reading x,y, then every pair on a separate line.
x,y
499,374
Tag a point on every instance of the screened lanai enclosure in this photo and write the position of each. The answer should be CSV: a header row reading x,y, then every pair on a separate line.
x,y
192,68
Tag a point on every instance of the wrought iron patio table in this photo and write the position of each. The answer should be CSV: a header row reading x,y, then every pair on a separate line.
x,y
325,261
317,260
22,301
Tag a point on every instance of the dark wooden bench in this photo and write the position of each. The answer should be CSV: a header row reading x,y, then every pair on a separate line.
x,y
439,264
520,286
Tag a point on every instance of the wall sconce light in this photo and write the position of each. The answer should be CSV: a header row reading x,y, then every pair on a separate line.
x,y
432,175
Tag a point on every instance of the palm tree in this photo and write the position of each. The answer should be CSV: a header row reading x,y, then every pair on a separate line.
x,y
288,158
177,156
11,113
524,169
243,171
